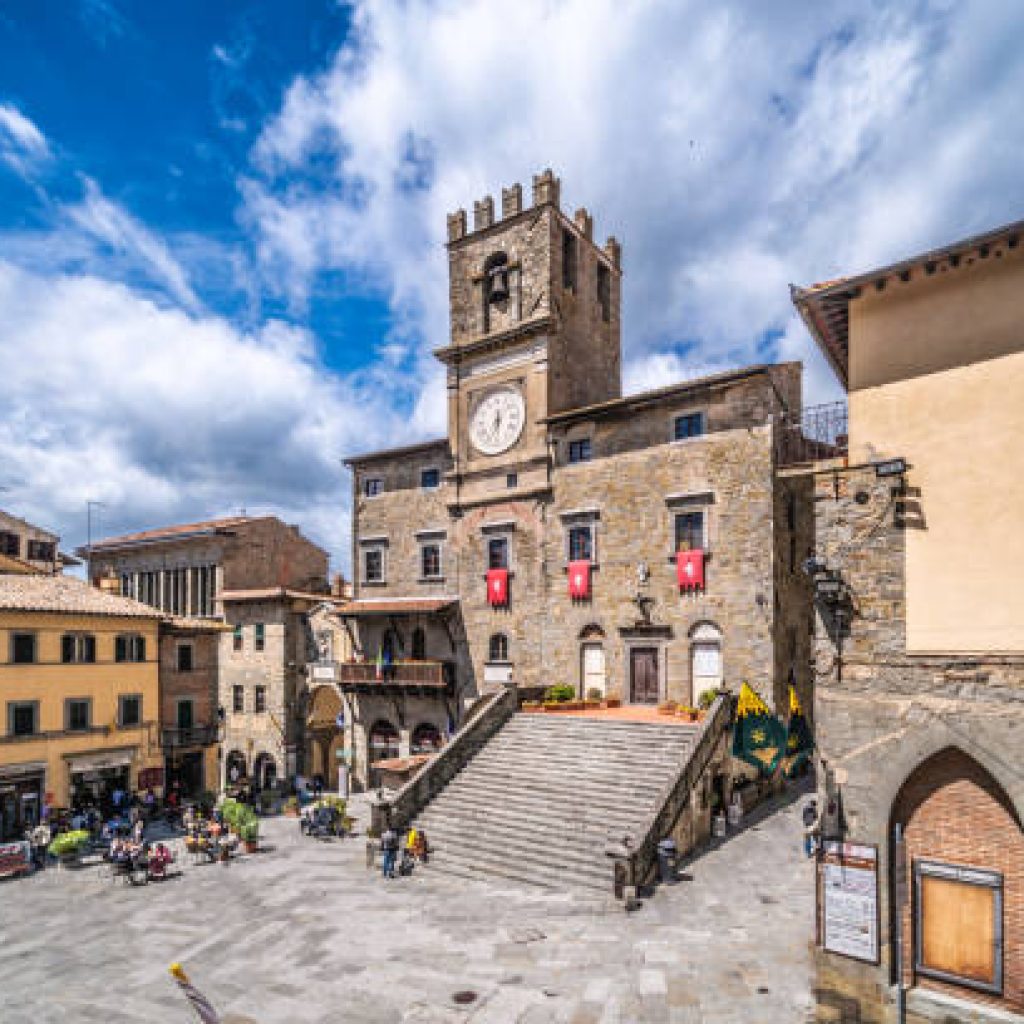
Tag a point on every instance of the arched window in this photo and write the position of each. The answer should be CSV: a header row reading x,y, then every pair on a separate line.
x,y
497,649
426,739
235,767
705,659
419,644
496,277
383,741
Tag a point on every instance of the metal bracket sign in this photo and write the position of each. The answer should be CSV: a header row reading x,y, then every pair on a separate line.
x,y
848,912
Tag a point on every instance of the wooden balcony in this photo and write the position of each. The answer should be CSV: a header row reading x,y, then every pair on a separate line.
x,y
367,674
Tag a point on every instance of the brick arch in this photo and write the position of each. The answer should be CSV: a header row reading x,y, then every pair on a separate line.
x,y
954,811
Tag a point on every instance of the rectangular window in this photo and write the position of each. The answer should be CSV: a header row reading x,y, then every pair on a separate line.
x,y
259,636
958,926
76,714
23,718
430,561
497,553
10,544
579,451
690,424
129,710
604,291
236,639
41,551
430,479
581,543
260,704
129,647
78,648
568,259
373,565
372,486
512,480
185,658
185,714
23,648
689,531
238,699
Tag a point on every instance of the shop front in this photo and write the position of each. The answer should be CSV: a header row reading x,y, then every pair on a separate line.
x,y
22,787
96,777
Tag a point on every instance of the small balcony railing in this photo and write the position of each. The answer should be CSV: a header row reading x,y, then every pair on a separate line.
x,y
195,736
368,673
821,432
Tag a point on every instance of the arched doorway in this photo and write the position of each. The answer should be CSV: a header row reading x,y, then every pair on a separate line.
x,y
426,739
324,734
383,743
960,852
235,767
705,660
593,672
265,771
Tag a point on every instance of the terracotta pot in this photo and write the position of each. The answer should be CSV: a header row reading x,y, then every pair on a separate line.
x,y
613,702
251,847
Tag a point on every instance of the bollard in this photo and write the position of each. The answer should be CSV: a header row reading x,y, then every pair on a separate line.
x,y
371,853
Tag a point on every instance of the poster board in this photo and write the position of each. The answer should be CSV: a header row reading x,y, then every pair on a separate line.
x,y
15,858
848,911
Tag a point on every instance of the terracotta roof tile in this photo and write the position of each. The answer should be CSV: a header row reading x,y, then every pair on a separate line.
x,y
68,595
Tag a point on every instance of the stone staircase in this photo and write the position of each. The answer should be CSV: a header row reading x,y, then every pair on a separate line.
x,y
540,800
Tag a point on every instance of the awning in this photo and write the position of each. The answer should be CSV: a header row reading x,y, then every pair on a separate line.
x,y
396,606
100,761
21,771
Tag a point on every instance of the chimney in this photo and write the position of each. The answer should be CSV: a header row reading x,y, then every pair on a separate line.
x,y
337,585
511,200
546,188
456,225
585,223
108,583
613,251
483,213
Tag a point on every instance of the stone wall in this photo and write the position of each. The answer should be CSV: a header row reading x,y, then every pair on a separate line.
x,y
881,713
198,685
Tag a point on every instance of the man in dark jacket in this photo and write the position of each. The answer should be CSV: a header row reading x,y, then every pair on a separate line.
x,y
389,849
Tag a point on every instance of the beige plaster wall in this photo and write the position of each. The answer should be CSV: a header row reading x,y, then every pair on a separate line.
x,y
962,431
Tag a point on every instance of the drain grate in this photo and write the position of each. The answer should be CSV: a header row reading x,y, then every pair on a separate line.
x,y
465,997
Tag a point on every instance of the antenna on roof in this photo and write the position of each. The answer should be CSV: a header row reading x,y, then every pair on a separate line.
x,y
241,511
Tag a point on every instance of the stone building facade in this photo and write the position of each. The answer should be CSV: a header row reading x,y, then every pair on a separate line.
x,y
26,543
546,463
257,577
919,659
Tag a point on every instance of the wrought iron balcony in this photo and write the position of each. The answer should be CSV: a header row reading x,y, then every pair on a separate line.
x,y
196,736
821,432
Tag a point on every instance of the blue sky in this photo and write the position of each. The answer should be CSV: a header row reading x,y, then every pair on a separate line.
x,y
221,266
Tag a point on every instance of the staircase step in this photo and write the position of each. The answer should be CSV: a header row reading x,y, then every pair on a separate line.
x,y
486,796
480,813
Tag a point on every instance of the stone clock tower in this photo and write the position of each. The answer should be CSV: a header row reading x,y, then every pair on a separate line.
x,y
534,331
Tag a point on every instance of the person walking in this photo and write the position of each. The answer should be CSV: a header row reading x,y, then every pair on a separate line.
x,y
389,849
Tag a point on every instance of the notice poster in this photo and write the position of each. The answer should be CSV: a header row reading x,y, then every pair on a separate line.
x,y
15,858
848,891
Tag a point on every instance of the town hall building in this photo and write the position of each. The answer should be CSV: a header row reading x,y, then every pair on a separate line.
x,y
639,547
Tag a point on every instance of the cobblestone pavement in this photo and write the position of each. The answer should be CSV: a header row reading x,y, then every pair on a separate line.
x,y
304,932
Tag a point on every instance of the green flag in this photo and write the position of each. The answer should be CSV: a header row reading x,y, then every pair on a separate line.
x,y
758,738
799,741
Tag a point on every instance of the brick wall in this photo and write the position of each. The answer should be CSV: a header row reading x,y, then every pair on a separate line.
x,y
955,813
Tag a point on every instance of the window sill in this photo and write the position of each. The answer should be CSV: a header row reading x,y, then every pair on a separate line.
x,y
431,579
374,583
593,565
511,574
707,556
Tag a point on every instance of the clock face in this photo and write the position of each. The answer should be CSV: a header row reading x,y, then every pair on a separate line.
x,y
498,421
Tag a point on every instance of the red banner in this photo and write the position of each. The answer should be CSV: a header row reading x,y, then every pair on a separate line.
x,y
497,587
690,569
579,579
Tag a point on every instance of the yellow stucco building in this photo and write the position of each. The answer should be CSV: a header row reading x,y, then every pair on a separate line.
x,y
79,695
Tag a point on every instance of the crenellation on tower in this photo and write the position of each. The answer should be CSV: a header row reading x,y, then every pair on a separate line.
x,y
456,225
546,188
613,250
483,213
511,201
583,220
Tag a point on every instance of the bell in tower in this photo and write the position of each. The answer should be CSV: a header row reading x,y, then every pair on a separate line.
x,y
496,271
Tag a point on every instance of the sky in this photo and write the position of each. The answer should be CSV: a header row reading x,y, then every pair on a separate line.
x,y
221,223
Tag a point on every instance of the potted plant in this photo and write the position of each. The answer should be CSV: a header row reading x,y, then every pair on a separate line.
x,y
249,833
706,699
67,846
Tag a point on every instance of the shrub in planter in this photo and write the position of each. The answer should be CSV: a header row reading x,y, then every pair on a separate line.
x,y
706,699
560,692
594,693
249,833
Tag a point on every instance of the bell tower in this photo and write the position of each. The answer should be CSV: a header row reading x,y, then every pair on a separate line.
x,y
535,330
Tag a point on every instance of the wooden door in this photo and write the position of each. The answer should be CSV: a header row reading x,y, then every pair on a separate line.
x,y
643,675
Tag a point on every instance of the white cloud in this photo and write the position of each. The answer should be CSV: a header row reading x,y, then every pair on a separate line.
x,y
22,145
733,148
166,415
